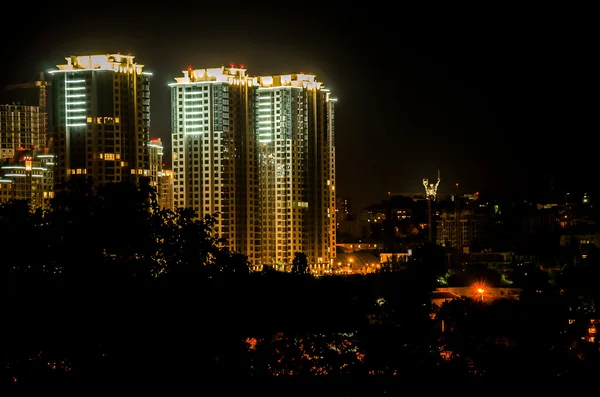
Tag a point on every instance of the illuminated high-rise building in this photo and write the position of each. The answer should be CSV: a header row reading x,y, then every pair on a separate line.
x,y
26,164
296,168
101,118
260,152
211,139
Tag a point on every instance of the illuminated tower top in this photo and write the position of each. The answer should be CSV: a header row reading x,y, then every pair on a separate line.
x,y
235,74
298,80
115,62
222,74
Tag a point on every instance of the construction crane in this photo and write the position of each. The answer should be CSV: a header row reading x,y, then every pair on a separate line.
x,y
41,83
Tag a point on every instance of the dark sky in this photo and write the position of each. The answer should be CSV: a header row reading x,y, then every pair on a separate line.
x,y
495,98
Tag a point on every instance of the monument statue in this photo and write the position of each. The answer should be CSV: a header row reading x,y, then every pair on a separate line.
x,y
430,192
430,188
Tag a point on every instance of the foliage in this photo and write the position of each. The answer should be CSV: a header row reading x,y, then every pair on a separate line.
x,y
106,285
113,234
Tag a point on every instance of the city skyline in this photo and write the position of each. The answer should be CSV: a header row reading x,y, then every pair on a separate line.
x,y
298,198
480,99
257,154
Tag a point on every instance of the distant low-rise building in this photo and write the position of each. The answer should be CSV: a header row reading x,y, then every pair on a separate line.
x,y
359,246
359,262
460,231
581,244
492,260
477,292
165,198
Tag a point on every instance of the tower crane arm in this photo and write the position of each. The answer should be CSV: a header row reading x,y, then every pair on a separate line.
x,y
19,86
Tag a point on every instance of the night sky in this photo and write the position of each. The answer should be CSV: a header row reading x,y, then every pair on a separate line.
x,y
495,98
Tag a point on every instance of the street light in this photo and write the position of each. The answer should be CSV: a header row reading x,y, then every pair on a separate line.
x,y
481,291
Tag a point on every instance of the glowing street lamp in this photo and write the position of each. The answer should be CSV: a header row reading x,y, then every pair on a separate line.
x,y
481,291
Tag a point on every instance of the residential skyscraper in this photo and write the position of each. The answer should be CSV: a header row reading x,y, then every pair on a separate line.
x,y
264,147
296,168
101,118
211,136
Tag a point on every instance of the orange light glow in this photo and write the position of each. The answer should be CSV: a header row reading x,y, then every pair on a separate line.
x,y
479,289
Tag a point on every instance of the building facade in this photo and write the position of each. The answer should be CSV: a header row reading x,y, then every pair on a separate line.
x,y
165,199
26,164
213,168
259,153
155,155
101,118
21,128
28,176
461,229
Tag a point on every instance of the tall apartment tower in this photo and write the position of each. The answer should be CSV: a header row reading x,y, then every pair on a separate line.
x,y
296,169
267,151
211,134
101,118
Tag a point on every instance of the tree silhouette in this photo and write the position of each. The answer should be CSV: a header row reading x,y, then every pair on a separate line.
x,y
18,231
105,285
300,264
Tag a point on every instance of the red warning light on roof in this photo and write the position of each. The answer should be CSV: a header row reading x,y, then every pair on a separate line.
x,y
190,67
231,65
155,140
242,66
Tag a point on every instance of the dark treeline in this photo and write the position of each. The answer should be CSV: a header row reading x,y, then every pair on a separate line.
x,y
105,288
